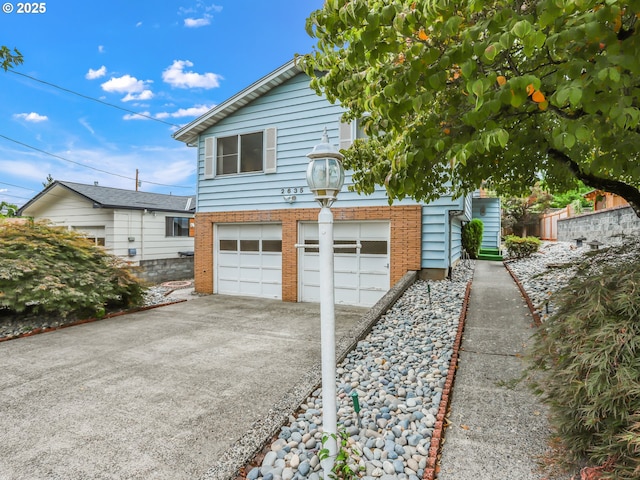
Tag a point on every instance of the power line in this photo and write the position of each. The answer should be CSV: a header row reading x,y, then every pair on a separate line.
x,y
17,186
86,166
93,99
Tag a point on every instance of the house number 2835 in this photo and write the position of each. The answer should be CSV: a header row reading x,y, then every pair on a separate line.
x,y
284,191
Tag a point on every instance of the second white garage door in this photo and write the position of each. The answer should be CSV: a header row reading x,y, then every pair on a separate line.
x,y
361,277
248,260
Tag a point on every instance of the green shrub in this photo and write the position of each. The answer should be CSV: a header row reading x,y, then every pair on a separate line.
x,y
472,237
590,353
521,247
54,271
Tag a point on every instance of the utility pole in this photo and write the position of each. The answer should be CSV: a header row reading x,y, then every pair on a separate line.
x,y
137,182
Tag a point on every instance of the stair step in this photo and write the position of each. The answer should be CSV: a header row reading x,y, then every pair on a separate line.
x,y
490,251
486,256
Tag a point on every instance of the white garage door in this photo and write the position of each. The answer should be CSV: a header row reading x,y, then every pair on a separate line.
x,y
361,278
248,260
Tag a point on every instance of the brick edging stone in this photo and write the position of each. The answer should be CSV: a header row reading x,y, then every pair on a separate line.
x,y
437,438
534,314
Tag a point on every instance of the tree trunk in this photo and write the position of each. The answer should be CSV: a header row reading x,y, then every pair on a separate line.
x,y
630,193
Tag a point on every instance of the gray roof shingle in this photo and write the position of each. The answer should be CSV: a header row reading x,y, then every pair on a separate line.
x,y
107,197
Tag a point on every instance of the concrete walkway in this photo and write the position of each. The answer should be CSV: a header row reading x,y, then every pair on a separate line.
x,y
498,429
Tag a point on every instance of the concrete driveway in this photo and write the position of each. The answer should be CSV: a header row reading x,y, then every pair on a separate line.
x,y
158,394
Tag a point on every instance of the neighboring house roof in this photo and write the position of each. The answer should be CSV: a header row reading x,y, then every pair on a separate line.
x,y
107,197
189,133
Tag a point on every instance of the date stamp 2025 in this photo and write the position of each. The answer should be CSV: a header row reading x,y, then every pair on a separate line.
x,y
25,7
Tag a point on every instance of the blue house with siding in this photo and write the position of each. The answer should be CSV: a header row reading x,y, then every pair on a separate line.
x,y
254,207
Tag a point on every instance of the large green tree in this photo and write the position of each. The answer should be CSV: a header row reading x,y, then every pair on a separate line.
x,y
457,92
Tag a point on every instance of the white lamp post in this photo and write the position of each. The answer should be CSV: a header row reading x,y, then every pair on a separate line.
x,y
325,176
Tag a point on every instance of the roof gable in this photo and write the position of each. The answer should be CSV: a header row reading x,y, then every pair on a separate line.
x,y
189,133
107,197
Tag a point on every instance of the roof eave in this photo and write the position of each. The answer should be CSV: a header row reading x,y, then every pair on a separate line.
x,y
190,132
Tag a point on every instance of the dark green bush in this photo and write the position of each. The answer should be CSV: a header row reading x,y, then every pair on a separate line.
x,y
521,247
589,351
54,271
472,237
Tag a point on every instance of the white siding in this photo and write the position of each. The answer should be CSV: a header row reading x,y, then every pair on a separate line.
x,y
148,233
64,208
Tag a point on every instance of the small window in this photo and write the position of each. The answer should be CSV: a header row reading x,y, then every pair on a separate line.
x,y
373,247
240,154
311,249
272,245
351,249
177,226
359,130
99,241
249,245
228,245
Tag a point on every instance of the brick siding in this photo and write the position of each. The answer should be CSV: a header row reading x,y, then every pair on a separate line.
x,y
406,222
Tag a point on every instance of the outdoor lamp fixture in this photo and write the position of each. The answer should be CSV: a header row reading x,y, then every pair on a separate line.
x,y
325,176
325,173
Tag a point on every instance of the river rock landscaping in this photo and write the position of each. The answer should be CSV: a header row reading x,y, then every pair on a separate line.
x,y
398,373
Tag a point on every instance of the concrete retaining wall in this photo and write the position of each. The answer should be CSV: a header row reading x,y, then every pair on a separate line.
x,y
166,269
606,226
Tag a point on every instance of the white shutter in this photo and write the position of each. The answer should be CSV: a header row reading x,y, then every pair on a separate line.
x,y
270,157
346,135
208,157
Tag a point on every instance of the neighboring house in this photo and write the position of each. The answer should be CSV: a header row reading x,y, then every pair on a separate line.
x,y
254,207
137,226
605,200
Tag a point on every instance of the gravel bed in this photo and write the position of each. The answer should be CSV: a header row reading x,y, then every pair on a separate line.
x,y
16,325
397,372
556,263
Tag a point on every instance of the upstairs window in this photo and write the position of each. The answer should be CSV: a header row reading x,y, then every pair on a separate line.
x,y
243,153
239,154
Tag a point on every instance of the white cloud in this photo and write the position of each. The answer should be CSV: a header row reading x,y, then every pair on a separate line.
x,y
144,95
195,111
177,77
31,117
101,48
86,125
93,74
129,85
139,24
132,116
197,22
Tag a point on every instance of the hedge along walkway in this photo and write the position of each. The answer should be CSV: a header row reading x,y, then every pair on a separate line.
x,y
497,428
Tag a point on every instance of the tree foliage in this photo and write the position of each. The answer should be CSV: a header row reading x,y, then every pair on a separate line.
x,y
55,271
456,92
8,209
9,58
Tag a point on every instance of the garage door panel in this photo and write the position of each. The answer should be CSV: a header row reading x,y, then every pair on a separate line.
x,y
346,262
360,277
272,261
254,266
369,281
271,276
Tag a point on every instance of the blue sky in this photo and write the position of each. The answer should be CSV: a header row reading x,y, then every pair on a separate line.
x,y
169,60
